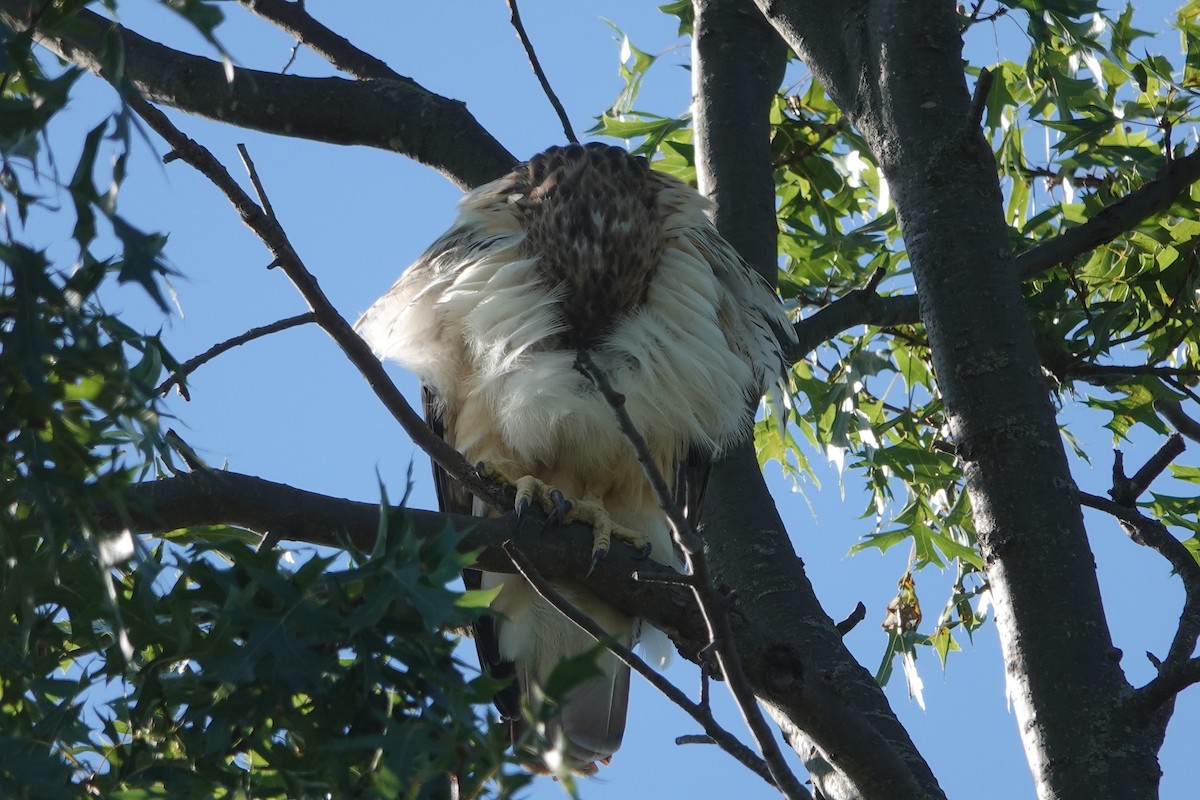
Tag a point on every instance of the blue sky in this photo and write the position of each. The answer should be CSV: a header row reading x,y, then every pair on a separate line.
x,y
291,409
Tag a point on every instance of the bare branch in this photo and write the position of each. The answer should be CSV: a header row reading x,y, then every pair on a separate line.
x,y
700,713
397,115
207,497
263,200
1154,534
519,27
273,236
712,606
851,622
194,363
1162,689
293,19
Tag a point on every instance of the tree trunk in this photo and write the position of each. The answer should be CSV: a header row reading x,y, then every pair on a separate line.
x,y
895,69
833,712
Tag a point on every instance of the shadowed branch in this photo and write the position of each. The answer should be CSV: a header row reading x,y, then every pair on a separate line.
x,y
700,712
397,115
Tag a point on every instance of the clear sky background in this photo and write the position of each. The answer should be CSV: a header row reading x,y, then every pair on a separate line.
x,y
290,408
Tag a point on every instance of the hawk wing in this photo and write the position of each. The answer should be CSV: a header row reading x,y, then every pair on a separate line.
x,y
454,499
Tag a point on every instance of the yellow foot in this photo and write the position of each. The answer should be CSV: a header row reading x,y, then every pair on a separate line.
x,y
589,510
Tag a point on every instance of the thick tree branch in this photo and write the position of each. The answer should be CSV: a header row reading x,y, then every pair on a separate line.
x,y
817,692
293,19
859,307
895,70
396,115
1113,220
211,497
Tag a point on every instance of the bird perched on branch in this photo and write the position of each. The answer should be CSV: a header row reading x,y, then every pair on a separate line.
x,y
582,248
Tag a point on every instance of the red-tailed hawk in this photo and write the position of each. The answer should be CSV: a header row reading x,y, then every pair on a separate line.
x,y
581,248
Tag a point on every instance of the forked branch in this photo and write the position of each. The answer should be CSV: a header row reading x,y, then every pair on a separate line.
x,y
194,363
294,19
272,235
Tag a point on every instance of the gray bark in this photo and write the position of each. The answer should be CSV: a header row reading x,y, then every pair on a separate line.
x,y
831,709
895,69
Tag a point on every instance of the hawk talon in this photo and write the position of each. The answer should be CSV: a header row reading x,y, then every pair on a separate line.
x,y
597,557
562,506
644,552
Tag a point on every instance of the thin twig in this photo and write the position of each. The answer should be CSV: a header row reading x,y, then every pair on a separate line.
x,y
701,714
681,530
537,70
192,364
263,200
712,606
272,235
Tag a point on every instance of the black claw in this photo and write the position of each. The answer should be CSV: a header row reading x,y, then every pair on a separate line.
x,y
522,507
597,557
644,552
561,505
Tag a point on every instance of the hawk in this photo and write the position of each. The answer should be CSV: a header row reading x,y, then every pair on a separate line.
x,y
582,248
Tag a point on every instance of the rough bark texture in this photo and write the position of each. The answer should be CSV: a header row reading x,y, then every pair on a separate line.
x,y
895,69
833,712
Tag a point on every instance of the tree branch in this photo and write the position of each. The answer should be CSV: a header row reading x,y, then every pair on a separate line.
x,y
859,307
396,115
1172,411
1113,220
700,712
519,27
710,604
1125,490
294,19
194,363
1154,534
356,350
1163,688
816,690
